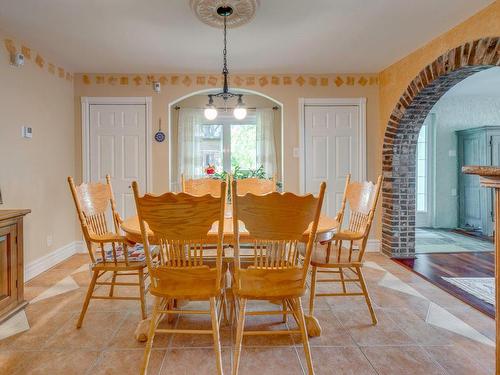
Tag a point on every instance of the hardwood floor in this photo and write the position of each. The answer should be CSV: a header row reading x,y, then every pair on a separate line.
x,y
433,267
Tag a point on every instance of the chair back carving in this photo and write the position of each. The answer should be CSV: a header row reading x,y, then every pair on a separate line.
x,y
94,203
257,186
202,186
361,199
181,224
276,222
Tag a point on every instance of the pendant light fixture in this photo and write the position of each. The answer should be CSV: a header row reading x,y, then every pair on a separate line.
x,y
240,111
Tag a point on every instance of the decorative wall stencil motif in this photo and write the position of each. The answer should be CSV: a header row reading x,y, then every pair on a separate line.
x,y
189,80
26,51
39,60
206,11
10,47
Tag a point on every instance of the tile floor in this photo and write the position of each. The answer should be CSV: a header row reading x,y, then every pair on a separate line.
x,y
428,240
421,330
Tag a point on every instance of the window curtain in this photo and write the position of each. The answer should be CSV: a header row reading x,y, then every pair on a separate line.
x,y
266,149
189,156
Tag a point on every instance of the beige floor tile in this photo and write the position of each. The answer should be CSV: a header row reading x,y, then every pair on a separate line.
x,y
401,360
339,360
47,362
180,340
125,336
97,331
49,277
269,361
184,361
126,362
332,332
386,332
456,360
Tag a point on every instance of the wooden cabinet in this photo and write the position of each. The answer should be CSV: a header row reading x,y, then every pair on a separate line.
x,y
11,262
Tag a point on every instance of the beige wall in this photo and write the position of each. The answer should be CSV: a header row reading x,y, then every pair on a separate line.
x,y
287,95
33,171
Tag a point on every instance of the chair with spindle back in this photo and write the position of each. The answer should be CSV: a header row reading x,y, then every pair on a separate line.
x,y
276,224
202,186
109,251
186,269
361,199
257,186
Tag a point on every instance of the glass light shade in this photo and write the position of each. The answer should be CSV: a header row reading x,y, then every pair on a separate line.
x,y
240,113
210,113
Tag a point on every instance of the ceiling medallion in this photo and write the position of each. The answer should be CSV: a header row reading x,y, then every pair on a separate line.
x,y
206,11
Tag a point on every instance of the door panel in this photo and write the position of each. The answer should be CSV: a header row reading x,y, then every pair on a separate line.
x,y
118,148
331,149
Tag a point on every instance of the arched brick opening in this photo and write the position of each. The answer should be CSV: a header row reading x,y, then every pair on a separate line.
x,y
400,140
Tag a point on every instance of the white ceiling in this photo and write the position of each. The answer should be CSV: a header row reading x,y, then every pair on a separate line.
x,y
485,83
286,36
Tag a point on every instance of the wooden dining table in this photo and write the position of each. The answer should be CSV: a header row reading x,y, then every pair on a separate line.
x,y
327,227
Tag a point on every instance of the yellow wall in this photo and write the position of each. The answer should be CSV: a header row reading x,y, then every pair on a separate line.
x,y
288,95
395,79
33,171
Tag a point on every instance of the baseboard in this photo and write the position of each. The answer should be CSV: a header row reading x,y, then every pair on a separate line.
x,y
50,260
373,246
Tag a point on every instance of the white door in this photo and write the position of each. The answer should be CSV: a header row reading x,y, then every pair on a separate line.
x,y
117,142
332,149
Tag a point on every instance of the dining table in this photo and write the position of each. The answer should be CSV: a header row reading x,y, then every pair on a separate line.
x,y
327,227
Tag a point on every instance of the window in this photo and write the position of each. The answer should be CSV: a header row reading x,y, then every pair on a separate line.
x,y
422,170
226,145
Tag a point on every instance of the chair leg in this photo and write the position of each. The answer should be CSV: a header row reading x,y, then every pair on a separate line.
x,y
367,296
305,339
341,273
239,335
112,288
313,326
285,315
151,334
215,330
90,291
143,294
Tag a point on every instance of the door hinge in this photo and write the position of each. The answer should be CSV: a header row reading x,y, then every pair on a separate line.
x,y
491,141
16,284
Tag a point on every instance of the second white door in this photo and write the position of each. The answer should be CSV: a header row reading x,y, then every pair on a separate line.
x,y
117,146
332,141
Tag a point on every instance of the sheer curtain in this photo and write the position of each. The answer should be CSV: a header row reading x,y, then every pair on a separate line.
x,y
266,149
190,159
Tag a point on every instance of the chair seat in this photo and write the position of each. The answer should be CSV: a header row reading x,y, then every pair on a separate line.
x,y
320,256
267,284
185,282
135,254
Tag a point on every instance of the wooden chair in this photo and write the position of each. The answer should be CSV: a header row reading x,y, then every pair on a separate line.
x,y
257,186
109,251
362,199
202,186
276,222
187,268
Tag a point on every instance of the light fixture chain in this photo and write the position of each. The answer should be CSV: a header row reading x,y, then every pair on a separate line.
x,y
225,71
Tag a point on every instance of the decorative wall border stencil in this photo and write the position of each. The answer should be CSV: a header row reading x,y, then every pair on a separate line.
x,y
241,80
37,58
401,135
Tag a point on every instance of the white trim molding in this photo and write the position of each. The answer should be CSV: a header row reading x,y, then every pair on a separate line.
x,y
87,101
360,103
51,259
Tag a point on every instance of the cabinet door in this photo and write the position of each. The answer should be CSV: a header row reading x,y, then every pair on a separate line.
x,y
8,266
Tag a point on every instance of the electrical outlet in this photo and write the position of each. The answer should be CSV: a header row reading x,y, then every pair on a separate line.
x,y
453,192
296,152
49,240
452,153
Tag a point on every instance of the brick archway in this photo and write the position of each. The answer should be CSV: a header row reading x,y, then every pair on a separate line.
x,y
400,140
